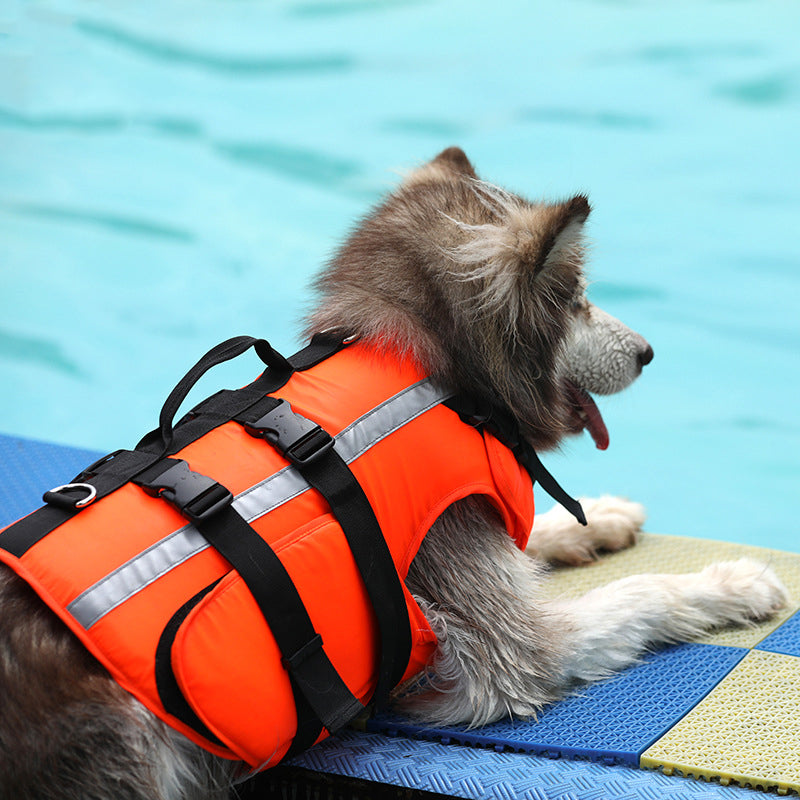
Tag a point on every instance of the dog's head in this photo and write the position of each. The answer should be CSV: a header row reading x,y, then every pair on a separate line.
x,y
486,290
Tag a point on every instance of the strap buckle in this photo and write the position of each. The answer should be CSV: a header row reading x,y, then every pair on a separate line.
x,y
195,495
299,439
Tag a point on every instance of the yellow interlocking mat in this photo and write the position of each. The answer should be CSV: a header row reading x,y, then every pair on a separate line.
x,y
747,730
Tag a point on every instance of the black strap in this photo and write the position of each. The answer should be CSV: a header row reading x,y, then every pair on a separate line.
x,y
269,583
225,405
23,535
277,598
225,351
529,459
310,449
167,685
175,703
115,470
105,476
332,478
502,424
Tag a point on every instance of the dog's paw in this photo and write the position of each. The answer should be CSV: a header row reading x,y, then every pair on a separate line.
x,y
613,524
614,521
748,590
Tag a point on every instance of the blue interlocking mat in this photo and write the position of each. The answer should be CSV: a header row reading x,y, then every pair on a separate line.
x,y
612,722
726,708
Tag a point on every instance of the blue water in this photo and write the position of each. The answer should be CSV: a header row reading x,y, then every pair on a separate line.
x,y
172,174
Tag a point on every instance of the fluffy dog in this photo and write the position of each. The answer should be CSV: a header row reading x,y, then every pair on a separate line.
x,y
485,290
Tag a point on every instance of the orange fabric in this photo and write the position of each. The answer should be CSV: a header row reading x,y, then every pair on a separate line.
x,y
224,657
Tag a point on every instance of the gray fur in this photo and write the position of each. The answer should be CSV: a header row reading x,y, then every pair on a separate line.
x,y
482,597
67,730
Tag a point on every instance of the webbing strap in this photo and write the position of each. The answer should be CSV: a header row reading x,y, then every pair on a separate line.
x,y
332,478
167,685
207,504
310,449
278,600
106,475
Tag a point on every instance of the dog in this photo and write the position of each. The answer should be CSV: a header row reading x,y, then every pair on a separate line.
x,y
486,292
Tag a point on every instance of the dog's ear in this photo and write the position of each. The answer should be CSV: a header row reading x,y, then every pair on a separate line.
x,y
450,164
529,249
455,158
551,234
525,238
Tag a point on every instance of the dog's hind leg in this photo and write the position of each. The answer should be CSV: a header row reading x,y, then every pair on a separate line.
x,y
613,524
68,731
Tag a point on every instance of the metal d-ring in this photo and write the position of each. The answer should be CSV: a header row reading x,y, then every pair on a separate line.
x,y
86,486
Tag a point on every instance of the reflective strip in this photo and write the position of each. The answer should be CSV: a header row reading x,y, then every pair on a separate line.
x,y
171,551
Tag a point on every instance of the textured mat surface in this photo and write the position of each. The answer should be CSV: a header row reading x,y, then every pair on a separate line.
x,y
746,730
610,722
726,709
478,773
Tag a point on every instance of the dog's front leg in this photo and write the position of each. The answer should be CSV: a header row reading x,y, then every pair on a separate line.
x,y
613,524
609,627
500,651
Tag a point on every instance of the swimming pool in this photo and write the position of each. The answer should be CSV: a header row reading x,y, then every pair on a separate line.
x,y
172,175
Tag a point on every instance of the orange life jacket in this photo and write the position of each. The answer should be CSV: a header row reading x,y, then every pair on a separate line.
x,y
117,570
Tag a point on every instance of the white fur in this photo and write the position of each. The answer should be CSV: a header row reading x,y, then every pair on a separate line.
x,y
610,626
601,352
493,251
613,524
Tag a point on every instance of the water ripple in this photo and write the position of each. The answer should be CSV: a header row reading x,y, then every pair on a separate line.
x,y
167,51
182,127
113,222
593,119
40,351
685,54
338,8
295,163
768,90
101,123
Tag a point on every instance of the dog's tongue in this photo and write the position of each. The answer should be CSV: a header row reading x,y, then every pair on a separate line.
x,y
590,414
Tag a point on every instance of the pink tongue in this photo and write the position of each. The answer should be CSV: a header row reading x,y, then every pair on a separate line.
x,y
594,421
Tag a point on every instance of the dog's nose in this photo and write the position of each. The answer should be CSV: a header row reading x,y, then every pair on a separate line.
x,y
645,356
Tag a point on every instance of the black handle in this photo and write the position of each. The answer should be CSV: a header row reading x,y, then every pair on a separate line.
x,y
225,351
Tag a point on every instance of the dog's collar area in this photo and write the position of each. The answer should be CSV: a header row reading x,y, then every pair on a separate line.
x,y
498,420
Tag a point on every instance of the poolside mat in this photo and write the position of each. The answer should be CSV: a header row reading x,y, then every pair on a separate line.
x,y
726,708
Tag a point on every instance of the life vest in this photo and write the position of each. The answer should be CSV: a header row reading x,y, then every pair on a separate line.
x,y
136,577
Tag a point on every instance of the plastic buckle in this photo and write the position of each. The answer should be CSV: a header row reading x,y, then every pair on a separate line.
x,y
299,439
195,495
